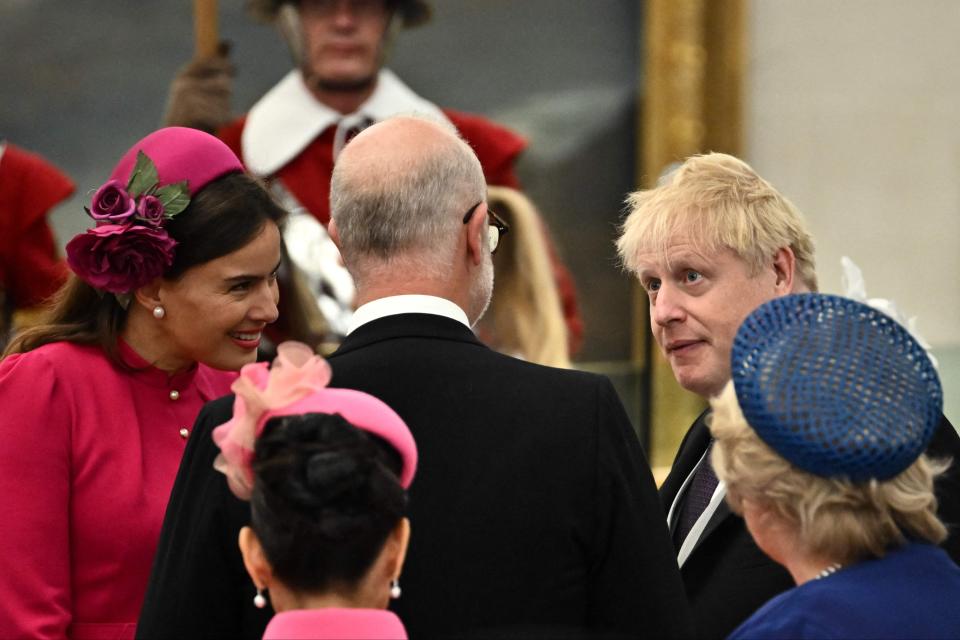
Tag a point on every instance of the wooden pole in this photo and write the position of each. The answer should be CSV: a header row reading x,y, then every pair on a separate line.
x,y
206,32
693,103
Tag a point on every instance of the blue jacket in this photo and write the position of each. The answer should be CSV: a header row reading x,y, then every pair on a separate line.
x,y
912,592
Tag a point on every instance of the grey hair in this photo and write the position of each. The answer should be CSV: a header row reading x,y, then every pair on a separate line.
x,y
409,212
831,517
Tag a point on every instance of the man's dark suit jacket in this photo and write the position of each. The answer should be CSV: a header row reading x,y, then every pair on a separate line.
x,y
533,508
726,575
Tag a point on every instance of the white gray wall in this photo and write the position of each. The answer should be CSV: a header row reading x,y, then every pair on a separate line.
x,y
853,112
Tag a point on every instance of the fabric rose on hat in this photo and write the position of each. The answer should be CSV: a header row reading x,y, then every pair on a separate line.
x,y
112,203
150,210
120,258
129,246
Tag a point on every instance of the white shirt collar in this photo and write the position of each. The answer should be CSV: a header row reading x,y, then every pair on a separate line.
x,y
395,305
288,118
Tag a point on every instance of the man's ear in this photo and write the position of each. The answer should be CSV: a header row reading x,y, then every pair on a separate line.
x,y
254,559
784,267
476,235
333,232
148,296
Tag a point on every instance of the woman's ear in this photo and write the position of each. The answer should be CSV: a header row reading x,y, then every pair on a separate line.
x,y
397,543
767,529
254,558
148,296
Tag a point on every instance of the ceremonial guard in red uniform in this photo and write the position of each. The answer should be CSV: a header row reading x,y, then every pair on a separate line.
x,y
294,133
30,268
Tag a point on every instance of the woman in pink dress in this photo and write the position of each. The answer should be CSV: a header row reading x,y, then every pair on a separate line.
x,y
326,472
172,288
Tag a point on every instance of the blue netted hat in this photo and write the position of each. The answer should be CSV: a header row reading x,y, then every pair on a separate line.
x,y
836,387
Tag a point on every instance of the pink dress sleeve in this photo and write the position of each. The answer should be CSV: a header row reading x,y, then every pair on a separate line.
x,y
35,425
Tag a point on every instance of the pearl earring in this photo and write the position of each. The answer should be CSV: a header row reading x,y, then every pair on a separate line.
x,y
395,589
159,312
258,600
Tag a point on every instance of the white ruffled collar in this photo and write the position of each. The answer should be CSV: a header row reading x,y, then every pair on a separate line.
x,y
288,118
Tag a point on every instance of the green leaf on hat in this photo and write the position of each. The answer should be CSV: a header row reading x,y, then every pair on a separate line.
x,y
174,197
144,176
123,299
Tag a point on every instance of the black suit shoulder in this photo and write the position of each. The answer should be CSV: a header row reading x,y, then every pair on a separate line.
x,y
945,446
532,505
533,499
726,577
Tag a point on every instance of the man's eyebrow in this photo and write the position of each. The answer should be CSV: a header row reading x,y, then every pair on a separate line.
x,y
685,257
665,261
249,276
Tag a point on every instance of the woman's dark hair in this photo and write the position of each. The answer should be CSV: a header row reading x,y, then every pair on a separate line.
x,y
221,218
325,497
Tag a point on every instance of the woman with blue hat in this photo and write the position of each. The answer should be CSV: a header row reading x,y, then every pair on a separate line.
x,y
820,439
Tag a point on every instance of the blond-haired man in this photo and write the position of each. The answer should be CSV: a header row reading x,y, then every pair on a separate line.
x,y
709,244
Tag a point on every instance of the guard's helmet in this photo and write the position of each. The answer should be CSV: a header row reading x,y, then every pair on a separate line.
x,y
412,12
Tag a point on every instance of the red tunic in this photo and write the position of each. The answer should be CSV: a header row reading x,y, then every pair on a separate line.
x,y
88,459
30,269
308,177
495,146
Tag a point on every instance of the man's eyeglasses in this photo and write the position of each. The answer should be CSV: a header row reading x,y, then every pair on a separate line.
x,y
497,226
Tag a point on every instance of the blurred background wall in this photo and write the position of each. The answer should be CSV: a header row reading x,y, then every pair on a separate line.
x,y
851,109
83,80
853,112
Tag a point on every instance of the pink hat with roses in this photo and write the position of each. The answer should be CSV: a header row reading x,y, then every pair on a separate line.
x,y
181,154
152,183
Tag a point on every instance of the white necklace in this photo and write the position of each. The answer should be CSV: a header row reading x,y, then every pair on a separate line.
x,y
832,569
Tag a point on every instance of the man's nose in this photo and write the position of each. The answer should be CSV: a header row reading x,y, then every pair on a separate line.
x,y
667,306
344,12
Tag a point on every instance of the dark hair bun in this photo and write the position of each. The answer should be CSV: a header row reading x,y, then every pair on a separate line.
x,y
326,495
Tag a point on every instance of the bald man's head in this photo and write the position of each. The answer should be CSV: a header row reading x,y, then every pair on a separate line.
x,y
400,139
400,189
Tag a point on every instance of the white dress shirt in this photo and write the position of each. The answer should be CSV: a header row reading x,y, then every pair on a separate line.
x,y
411,303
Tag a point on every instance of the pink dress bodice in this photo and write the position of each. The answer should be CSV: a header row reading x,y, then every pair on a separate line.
x,y
88,457
335,623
